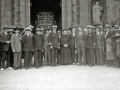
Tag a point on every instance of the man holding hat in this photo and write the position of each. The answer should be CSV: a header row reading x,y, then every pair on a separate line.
x,y
38,44
16,47
90,45
27,45
54,41
5,40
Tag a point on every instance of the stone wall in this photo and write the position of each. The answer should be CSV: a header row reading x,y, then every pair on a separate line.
x,y
66,14
5,10
84,13
14,12
113,11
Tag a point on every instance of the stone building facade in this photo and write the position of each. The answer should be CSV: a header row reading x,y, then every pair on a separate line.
x,y
17,12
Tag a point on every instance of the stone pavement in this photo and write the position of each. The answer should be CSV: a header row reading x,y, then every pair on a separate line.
x,y
70,77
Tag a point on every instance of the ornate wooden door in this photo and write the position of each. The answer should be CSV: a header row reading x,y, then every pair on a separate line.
x,y
45,19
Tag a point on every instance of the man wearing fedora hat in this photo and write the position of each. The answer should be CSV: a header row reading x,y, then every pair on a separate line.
x,y
16,47
55,42
5,40
27,45
116,44
38,44
109,46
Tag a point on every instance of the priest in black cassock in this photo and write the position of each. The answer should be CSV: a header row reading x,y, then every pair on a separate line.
x,y
65,51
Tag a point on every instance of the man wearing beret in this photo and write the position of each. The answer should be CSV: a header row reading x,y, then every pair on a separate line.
x,y
54,41
5,40
90,45
38,44
27,45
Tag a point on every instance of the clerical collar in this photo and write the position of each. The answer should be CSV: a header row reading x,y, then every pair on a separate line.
x,y
54,32
5,33
28,34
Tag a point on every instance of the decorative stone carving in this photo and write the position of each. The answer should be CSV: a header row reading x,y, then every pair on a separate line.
x,y
97,12
16,12
113,11
75,12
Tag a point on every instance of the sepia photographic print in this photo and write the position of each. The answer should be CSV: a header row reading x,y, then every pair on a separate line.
x,y
59,44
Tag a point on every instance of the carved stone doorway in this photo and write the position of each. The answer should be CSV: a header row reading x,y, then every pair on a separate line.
x,y
39,6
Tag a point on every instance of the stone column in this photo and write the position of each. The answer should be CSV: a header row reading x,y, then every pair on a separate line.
x,y
66,14
16,12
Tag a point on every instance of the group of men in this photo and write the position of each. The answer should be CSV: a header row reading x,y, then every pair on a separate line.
x,y
93,45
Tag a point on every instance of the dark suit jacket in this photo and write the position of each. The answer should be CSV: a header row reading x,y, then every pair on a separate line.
x,y
27,43
90,40
54,39
72,40
80,40
100,39
3,40
38,42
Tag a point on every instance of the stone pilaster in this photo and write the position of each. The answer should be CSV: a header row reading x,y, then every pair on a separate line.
x,y
24,13
16,12
85,13
66,14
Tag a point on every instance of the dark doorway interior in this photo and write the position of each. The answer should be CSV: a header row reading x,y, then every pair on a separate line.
x,y
46,5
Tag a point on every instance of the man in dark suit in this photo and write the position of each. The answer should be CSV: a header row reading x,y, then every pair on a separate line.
x,y
104,55
72,44
99,45
80,46
116,37
109,45
47,48
90,45
38,44
27,48
5,46
59,49
54,41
